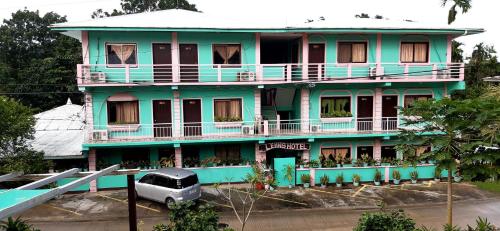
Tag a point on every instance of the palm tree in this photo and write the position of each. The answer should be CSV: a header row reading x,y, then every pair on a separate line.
x,y
462,4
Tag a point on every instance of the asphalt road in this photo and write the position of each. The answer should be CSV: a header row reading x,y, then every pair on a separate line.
x,y
433,215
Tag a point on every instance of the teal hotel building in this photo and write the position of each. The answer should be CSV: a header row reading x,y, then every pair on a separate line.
x,y
214,94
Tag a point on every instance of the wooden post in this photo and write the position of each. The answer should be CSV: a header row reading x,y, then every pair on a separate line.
x,y
132,212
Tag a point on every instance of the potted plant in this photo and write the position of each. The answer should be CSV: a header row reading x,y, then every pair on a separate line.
x,y
289,175
437,175
356,178
300,162
324,181
358,163
338,180
347,162
386,161
329,163
338,160
396,177
457,178
414,177
366,160
377,177
306,179
314,164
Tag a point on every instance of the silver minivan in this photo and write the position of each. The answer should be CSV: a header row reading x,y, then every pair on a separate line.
x,y
169,186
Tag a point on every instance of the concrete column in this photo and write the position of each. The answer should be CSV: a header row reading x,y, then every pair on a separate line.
x,y
89,114
377,126
258,68
304,109
260,156
305,56
377,149
177,115
306,155
258,109
178,157
312,176
92,167
449,49
386,174
85,47
175,58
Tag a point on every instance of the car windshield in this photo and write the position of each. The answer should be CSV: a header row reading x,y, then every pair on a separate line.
x,y
188,181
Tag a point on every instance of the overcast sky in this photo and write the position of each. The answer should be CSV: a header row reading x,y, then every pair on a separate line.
x,y
482,15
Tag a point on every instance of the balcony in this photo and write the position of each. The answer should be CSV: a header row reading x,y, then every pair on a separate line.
x,y
256,74
244,129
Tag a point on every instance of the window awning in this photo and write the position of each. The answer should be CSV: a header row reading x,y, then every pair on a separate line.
x,y
122,97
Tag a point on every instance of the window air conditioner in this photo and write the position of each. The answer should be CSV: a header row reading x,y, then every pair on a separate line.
x,y
316,128
99,135
373,72
247,129
246,76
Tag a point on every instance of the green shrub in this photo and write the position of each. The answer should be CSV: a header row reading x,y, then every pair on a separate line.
x,y
382,221
378,176
188,216
17,224
324,179
305,178
396,175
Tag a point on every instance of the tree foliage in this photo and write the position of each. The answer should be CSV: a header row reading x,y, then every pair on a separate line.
x,y
139,6
17,224
465,5
187,216
384,221
34,59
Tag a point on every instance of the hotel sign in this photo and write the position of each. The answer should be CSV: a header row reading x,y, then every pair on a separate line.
x,y
284,145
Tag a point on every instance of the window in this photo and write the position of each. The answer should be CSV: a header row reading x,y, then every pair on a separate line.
x,y
331,153
120,54
411,99
227,53
228,153
362,150
352,52
389,152
227,110
413,52
123,112
166,182
147,179
189,181
337,106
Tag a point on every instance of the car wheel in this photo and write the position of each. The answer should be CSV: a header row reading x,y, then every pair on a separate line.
x,y
169,202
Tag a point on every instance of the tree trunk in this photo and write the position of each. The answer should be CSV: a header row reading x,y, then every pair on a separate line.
x,y
450,199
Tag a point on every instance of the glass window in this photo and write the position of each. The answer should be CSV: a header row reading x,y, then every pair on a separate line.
x,y
119,54
147,179
228,153
352,52
123,112
227,110
362,150
389,152
336,106
227,53
414,52
189,181
411,99
331,153
166,182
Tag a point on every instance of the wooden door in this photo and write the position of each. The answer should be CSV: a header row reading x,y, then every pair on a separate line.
x,y
162,62
162,118
188,58
389,112
365,113
192,117
316,56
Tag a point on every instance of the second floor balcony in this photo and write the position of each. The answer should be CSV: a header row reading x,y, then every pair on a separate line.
x,y
257,74
301,129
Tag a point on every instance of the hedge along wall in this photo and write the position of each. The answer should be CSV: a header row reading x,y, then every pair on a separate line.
x,y
209,175
367,173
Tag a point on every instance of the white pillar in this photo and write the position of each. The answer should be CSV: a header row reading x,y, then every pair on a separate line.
x,y
177,115
304,110
258,109
377,149
260,156
92,167
178,157
306,155
258,68
305,56
175,58
377,121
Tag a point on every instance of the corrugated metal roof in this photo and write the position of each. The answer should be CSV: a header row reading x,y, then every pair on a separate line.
x,y
59,132
183,19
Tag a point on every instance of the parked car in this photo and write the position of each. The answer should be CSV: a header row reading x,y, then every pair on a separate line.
x,y
169,186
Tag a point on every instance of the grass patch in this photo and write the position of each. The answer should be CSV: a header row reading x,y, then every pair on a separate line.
x,y
488,186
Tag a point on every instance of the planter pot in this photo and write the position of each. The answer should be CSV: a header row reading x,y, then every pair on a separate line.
x,y
339,165
432,161
422,162
413,181
365,164
396,181
290,186
347,165
306,185
338,185
259,186
385,164
356,184
186,166
301,166
377,183
266,186
323,186
271,188
437,180
457,178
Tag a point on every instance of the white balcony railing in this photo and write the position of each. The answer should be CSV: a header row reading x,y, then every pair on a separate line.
x,y
217,130
98,74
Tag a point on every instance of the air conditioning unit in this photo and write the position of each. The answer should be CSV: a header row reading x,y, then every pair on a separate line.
x,y
375,72
316,128
246,76
97,77
100,135
247,129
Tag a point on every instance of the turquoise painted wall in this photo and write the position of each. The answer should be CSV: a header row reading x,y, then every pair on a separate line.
x,y
247,151
353,144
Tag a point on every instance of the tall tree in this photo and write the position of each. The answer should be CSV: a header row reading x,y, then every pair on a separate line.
x,y
482,63
139,6
458,127
34,59
465,5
